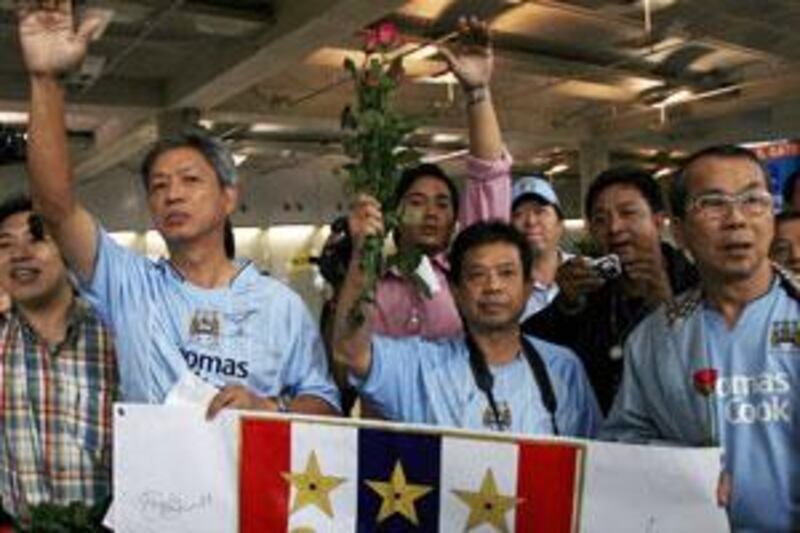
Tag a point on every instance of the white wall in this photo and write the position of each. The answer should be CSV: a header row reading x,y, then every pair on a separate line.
x,y
283,251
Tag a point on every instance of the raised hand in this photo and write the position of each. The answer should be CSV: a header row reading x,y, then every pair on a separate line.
x,y
365,219
51,43
472,60
576,279
647,269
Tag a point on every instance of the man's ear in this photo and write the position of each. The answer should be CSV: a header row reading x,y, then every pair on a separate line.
x,y
660,220
231,195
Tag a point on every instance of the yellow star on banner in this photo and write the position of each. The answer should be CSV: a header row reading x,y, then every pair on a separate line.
x,y
398,495
487,506
313,488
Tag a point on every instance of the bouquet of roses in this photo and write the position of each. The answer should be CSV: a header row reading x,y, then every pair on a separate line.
x,y
376,147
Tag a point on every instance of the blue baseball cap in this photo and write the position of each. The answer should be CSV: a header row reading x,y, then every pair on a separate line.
x,y
535,188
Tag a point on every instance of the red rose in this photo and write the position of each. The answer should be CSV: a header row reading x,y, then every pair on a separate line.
x,y
383,36
705,381
387,34
370,40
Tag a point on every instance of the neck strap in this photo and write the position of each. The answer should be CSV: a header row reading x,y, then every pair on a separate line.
x,y
485,380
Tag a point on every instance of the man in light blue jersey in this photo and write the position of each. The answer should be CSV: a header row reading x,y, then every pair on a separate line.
x,y
490,378
720,364
199,311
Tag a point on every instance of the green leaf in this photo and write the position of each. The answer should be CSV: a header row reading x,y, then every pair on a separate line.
x,y
350,66
407,157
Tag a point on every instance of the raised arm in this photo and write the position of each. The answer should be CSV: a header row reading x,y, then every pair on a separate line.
x,y
52,45
351,342
488,190
472,62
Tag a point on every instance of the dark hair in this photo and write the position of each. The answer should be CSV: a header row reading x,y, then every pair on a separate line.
x,y
679,192
335,255
217,155
786,216
640,179
425,170
788,188
483,233
19,203
229,240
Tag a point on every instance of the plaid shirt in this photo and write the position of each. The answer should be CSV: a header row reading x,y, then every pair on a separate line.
x,y
55,412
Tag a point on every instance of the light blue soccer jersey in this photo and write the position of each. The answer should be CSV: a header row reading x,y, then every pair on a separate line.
x,y
755,405
431,382
256,332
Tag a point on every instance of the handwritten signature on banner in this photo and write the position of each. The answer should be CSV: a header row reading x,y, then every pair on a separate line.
x,y
157,505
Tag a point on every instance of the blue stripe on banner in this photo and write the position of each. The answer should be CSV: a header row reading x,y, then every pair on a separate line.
x,y
398,481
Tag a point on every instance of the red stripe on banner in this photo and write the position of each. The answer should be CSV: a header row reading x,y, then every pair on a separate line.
x,y
548,479
263,492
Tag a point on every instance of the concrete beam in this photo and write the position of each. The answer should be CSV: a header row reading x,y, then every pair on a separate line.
x,y
301,28
128,93
117,151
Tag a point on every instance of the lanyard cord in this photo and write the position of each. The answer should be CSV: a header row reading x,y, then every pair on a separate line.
x,y
485,380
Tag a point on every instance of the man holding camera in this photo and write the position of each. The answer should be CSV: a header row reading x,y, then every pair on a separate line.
x,y
600,302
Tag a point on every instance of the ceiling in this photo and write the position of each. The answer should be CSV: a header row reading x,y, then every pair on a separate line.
x,y
578,84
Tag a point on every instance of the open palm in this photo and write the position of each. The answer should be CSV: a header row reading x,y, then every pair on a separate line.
x,y
50,43
472,60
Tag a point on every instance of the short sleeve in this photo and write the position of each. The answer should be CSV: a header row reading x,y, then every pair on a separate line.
x,y
119,276
393,384
306,372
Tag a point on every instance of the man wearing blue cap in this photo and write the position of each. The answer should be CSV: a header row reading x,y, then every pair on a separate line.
x,y
536,213
199,311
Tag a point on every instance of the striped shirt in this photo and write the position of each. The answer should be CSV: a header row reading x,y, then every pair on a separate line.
x,y
55,412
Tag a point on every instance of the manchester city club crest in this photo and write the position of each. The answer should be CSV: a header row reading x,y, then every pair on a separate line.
x,y
785,335
205,327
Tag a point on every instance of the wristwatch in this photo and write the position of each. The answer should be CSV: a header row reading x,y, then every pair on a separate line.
x,y
476,95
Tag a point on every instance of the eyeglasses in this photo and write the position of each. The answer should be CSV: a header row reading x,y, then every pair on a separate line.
x,y
715,205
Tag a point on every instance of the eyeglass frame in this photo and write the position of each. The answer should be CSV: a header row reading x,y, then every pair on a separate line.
x,y
731,200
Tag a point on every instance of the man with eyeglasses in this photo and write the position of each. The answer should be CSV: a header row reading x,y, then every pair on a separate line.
x,y
720,363
593,314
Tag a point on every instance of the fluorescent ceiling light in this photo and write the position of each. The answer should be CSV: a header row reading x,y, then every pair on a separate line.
x,y
574,224
442,138
448,78
684,95
423,53
558,169
267,127
445,157
666,171
13,117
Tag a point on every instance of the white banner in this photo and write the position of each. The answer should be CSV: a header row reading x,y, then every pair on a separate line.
x,y
176,472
